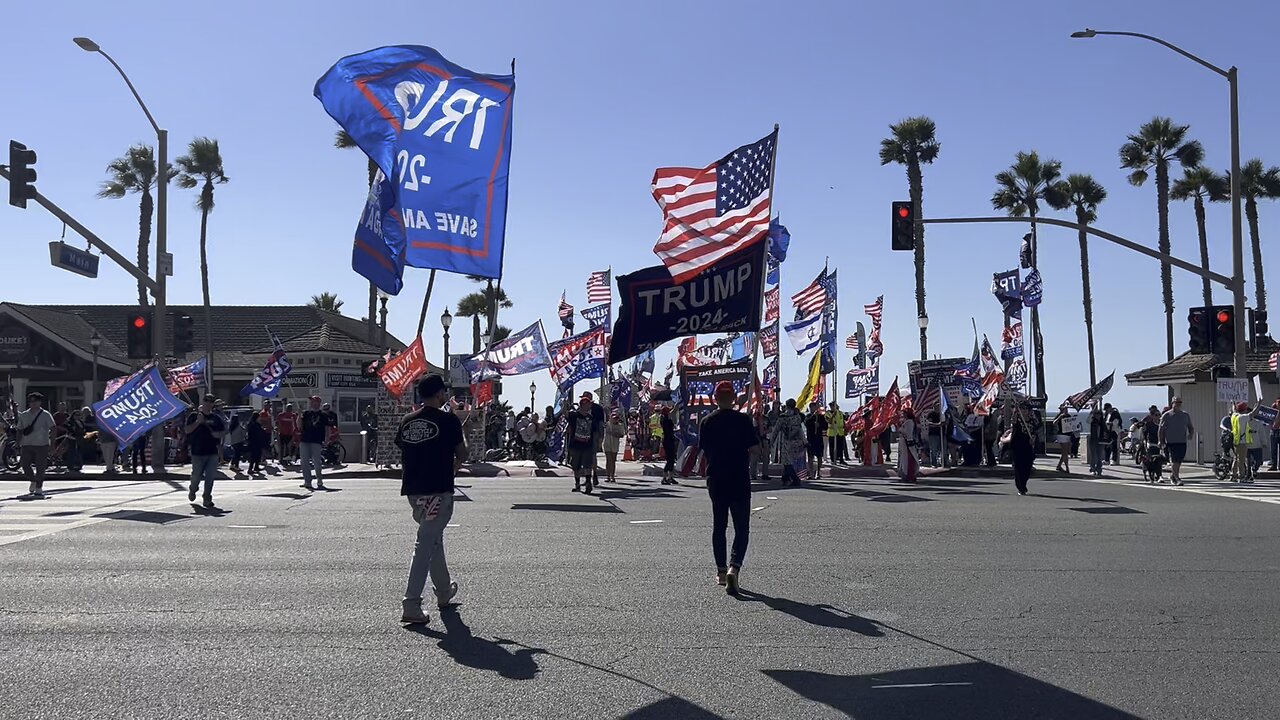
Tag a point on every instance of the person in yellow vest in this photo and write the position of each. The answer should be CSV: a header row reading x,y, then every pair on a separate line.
x,y
835,435
655,433
1241,439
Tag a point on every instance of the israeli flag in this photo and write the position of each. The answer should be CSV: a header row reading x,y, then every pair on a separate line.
x,y
805,335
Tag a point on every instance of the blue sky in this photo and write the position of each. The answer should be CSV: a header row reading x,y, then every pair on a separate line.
x,y
606,93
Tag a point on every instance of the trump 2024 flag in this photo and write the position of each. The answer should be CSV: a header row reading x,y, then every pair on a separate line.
x,y
441,135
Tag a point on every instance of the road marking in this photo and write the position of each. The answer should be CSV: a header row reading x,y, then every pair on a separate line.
x,y
759,508
770,497
453,525
644,522
920,685
249,527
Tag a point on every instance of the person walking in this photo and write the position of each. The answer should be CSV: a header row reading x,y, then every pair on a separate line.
x,y
204,429
908,442
286,427
238,437
598,421
728,440
667,433
369,425
613,432
35,426
815,427
760,463
1174,433
1021,424
580,444
432,448
1097,436
314,431
789,438
1241,439
1115,428
1059,426
1275,438
835,435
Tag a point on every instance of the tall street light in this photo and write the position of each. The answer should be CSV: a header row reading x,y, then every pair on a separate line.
x,y
96,343
923,322
1237,228
163,268
533,389
164,264
446,320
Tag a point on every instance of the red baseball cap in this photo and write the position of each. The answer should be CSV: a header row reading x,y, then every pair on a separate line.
x,y
724,386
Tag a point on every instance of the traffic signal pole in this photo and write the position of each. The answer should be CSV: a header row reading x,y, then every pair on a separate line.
x,y
92,239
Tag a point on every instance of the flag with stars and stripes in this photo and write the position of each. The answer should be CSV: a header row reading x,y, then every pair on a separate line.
x,y
715,211
771,301
813,297
1274,361
851,342
598,290
566,315
875,310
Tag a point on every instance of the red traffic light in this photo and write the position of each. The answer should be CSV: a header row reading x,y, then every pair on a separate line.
x,y
139,321
1224,317
903,212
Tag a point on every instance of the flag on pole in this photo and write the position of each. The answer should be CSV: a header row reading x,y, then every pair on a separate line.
x,y
810,389
779,240
566,315
771,301
813,297
875,311
598,290
1083,397
715,211
851,342
805,335
1274,361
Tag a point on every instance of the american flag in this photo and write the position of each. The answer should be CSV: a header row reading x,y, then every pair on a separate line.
x,y
714,211
851,342
875,310
811,299
801,467
771,304
566,315
598,290
1273,361
926,399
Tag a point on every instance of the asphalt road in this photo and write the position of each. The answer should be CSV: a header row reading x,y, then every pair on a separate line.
x,y
864,598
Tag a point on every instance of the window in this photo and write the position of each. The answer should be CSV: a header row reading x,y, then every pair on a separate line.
x,y
350,407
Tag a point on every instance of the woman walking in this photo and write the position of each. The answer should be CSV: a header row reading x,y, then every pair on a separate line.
x,y
668,447
1063,440
1021,434
613,432
908,442
257,438
789,438
1097,440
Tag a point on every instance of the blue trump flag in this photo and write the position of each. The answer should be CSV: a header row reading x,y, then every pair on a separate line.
x,y
779,240
267,382
378,251
140,404
441,135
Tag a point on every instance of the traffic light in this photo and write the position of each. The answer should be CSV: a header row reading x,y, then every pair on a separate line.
x,y
138,334
183,335
1260,330
22,176
1224,330
904,225
1200,329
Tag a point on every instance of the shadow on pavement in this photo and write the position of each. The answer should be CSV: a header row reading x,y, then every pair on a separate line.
x,y
945,692
559,507
466,649
1109,510
147,516
671,708
649,491
287,495
821,614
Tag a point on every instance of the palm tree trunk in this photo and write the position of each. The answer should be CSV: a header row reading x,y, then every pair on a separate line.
x,y
1035,319
1207,287
491,309
1166,272
145,207
1259,285
916,182
475,333
207,192
1086,293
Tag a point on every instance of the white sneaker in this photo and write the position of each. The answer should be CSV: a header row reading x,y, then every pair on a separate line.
x,y
413,615
443,600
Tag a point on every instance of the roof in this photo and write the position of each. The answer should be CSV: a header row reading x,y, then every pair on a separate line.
x,y
1202,367
326,337
237,329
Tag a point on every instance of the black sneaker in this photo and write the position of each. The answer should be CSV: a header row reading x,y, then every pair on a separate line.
x,y
191,492
208,502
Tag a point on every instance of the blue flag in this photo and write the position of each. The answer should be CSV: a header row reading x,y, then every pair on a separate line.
x,y
772,275
441,135
267,382
643,364
1032,289
139,405
779,240
620,394
598,315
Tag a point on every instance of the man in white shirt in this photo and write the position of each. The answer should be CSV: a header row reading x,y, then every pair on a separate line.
x,y
34,425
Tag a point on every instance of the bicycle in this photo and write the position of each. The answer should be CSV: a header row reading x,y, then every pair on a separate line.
x,y
333,453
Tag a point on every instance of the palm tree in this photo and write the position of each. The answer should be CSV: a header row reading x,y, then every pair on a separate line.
x,y
482,304
1019,191
1084,194
1258,182
343,141
911,144
135,172
202,165
1154,146
326,301
1200,183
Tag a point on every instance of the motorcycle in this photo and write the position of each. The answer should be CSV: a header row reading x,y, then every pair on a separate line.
x,y
10,451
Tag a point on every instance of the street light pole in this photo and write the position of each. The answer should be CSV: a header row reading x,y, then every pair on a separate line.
x,y
923,322
533,389
1237,226
163,263
446,319
95,342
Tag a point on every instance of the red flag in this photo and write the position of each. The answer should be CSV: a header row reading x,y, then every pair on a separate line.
x,y
399,372
482,392
889,410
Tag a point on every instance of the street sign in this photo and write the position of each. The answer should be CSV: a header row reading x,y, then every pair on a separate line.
x,y
1233,390
80,262
164,264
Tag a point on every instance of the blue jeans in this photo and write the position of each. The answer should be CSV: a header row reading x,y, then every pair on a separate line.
x,y
721,510
1095,456
309,454
204,467
432,513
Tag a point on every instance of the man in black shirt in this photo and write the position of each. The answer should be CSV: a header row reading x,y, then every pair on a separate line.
x,y
204,431
728,439
581,443
432,448
315,425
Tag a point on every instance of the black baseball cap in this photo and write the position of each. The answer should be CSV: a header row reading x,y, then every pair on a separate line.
x,y
430,385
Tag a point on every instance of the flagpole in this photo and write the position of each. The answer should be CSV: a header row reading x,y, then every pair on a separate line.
x,y
605,398
422,316
754,392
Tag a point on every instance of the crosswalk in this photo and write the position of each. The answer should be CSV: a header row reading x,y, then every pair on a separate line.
x,y
1196,479
78,503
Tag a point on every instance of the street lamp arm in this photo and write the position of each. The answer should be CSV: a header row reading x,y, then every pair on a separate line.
x,y
1167,44
1123,242
133,90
